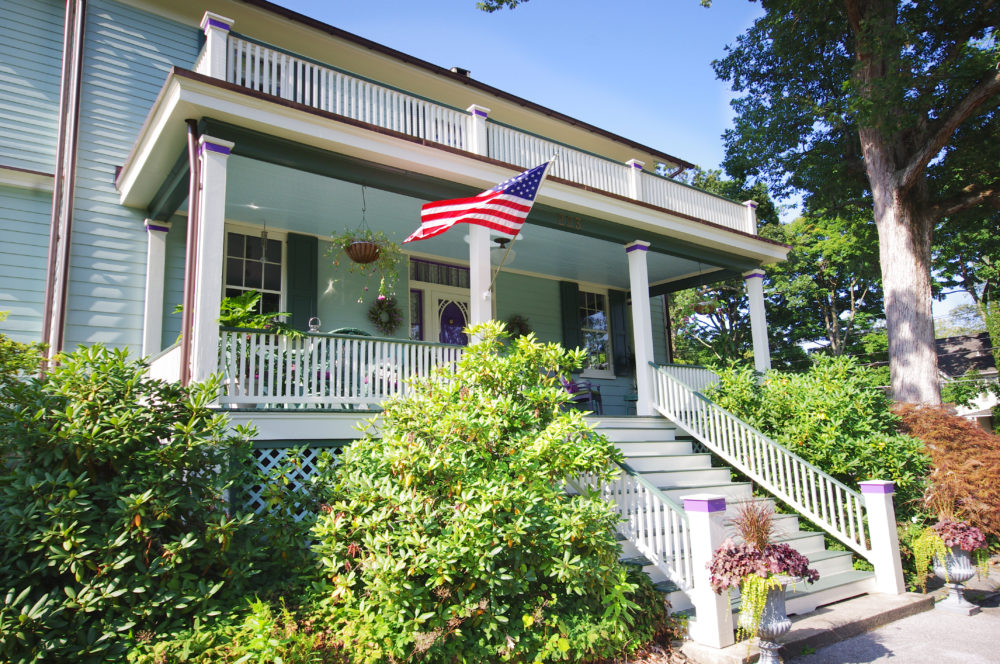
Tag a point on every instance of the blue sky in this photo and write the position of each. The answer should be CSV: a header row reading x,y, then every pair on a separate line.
x,y
639,68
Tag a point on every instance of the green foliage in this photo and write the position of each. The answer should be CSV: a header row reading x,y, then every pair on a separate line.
x,y
113,522
833,416
453,538
243,310
17,358
963,391
385,267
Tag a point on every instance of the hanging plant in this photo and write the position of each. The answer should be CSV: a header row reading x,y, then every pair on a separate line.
x,y
385,315
370,253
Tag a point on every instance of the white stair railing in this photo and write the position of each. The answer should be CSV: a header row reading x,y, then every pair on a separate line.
x,y
827,502
655,524
264,368
698,378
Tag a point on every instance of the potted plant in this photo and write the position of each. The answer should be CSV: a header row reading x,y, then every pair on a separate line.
x,y
370,253
760,569
948,545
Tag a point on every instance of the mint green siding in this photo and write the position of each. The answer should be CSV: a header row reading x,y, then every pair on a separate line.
x,y
30,65
533,298
24,226
173,280
127,54
338,291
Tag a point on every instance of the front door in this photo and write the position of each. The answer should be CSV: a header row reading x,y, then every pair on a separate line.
x,y
452,317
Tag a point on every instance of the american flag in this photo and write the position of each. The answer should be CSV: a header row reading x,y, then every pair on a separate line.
x,y
502,209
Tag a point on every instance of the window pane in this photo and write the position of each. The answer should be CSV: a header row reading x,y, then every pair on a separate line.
x,y
269,303
235,245
252,274
416,314
272,276
234,272
253,247
274,251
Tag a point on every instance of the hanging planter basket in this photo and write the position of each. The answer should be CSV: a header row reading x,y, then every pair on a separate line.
x,y
363,252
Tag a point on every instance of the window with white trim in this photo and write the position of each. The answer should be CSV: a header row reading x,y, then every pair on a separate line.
x,y
254,263
595,333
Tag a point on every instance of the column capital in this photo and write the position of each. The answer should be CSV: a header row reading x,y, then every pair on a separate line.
x,y
635,163
753,205
211,144
477,110
159,226
878,487
756,273
637,245
212,20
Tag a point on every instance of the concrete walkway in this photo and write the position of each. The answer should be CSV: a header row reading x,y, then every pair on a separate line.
x,y
937,636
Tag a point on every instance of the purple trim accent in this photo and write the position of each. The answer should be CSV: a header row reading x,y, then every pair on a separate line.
x,y
636,247
481,114
754,274
878,487
705,505
212,23
154,227
636,164
751,204
212,147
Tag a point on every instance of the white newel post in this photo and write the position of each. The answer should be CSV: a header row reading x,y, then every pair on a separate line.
x,y
884,537
713,624
754,281
635,178
213,154
477,130
642,325
216,29
750,221
152,319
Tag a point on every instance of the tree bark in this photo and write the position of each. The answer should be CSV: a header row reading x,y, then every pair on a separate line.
x,y
904,228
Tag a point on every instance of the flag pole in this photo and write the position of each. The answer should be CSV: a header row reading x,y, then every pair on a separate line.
x,y
511,244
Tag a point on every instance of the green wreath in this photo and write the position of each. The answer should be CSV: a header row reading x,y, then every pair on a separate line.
x,y
385,315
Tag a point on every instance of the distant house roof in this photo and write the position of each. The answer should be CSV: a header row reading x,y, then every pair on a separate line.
x,y
957,355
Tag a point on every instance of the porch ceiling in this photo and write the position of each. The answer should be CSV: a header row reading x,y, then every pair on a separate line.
x,y
283,198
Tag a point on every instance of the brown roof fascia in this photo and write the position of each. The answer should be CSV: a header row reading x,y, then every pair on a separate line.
x,y
460,78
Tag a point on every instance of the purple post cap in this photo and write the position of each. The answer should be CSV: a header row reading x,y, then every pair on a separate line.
x,y
751,204
752,274
477,110
213,20
705,503
882,487
156,227
635,163
208,144
638,245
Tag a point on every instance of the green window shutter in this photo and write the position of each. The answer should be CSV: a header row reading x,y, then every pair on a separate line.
x,y
569,304
303,273
619,332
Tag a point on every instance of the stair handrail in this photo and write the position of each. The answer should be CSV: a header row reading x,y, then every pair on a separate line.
x,y
651,520
824,500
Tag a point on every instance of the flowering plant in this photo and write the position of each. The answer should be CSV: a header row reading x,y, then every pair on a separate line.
x,y
755,564
948,533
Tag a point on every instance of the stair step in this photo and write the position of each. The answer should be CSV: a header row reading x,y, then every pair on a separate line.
x,y
629,422
653,462
731,490
653,447
665,479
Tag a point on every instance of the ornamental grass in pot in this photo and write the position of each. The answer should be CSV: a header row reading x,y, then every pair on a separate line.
x,y
760,568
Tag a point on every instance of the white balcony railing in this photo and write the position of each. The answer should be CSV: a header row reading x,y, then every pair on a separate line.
x,y
275,72
261,368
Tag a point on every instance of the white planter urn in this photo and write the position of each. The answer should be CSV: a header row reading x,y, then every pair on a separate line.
x,y
955,570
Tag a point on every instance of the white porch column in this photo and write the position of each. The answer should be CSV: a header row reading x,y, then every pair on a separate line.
x,y
152,320
213,59
213,154
754,281
634,178
477,130
884,536
642,326
480,302
714,623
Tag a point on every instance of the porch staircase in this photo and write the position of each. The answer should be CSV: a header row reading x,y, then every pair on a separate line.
x,y
660,454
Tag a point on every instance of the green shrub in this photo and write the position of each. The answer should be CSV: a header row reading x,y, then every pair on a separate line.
x,y
834,417
17,358
453,538
113,523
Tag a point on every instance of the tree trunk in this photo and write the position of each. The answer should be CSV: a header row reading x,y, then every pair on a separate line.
x,y
904,230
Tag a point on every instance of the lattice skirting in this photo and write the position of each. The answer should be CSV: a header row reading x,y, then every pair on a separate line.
x,y
269,456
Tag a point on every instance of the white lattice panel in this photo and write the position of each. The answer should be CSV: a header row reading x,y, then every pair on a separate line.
x,y
268,459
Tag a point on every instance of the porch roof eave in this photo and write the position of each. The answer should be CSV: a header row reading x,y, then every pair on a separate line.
x,y
160,149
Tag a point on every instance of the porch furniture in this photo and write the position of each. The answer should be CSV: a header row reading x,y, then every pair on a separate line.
x,y
584,394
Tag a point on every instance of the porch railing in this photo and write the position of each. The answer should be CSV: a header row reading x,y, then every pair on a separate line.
x,y
654,523
698,378
264,368
827,502
275,72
